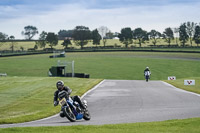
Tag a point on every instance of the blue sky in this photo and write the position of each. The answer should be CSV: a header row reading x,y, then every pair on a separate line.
x,y
53,15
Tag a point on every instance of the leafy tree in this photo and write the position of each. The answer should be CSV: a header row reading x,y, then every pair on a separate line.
x,y
35,47
52,39
42,40
43,35
96,37
3,36
190,27
197,35
168,35
29,32
22,48
81,35
66,43
140,35
12,45
183,36
62,34
103,30
126,36
11,38
154,35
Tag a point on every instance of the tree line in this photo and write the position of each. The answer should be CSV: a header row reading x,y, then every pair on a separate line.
x,y
81,35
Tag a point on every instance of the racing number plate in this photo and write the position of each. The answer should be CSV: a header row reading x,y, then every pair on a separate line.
x,y
62,101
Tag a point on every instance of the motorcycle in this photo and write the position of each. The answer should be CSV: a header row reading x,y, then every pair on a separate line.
x,y
71,109
147,75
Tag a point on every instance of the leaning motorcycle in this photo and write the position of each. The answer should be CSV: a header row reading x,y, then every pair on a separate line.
x,y
71,109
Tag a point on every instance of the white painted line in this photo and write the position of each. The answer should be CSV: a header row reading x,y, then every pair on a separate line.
x,y
42,119
180,90
92,89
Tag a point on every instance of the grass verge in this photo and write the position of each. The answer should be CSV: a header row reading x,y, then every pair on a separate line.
x,y
179,83
25,99
171,126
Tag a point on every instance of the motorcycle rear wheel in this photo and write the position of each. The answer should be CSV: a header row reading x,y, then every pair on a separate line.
x,y
147,78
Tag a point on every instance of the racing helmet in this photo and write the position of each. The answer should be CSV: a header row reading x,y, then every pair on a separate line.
x,y
60,84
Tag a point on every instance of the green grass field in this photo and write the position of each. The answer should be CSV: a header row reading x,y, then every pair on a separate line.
x,y
108,65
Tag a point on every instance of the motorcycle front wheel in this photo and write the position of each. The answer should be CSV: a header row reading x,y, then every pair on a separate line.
x,y
86,115
69,114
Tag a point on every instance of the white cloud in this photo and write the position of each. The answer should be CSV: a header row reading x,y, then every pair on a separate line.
x,y
67,16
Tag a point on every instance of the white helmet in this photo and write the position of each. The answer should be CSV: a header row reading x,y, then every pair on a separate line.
x,y
147,67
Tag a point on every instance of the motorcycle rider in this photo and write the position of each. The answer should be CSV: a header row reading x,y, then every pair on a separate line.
x,y
147,72
60,87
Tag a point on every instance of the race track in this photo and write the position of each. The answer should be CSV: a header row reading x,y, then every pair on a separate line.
x,y
129,101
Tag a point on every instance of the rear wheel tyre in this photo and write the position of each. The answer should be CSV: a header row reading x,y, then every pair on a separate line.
x,y
147,78
86,115
69,114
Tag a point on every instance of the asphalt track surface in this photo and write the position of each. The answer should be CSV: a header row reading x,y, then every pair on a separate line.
x,y
130,101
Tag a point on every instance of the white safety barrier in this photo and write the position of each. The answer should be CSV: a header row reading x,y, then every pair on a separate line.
x,y
3,74
171,78
189,82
